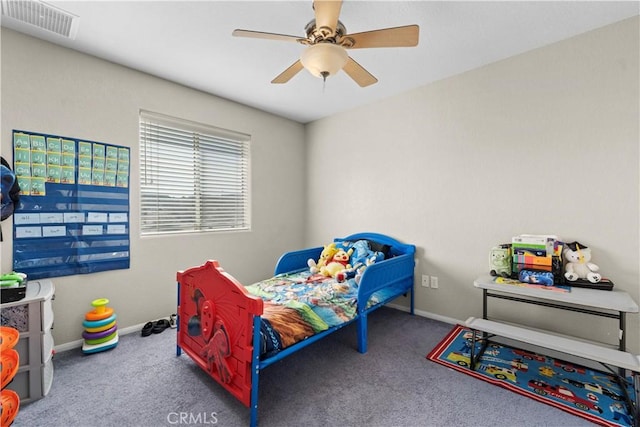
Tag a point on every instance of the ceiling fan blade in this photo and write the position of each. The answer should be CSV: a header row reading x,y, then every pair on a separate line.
x,y
287,74
358,73
406,36
327,13
269,36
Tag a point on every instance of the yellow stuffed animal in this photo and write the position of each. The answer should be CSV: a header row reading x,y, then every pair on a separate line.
x,y
338,265
327,253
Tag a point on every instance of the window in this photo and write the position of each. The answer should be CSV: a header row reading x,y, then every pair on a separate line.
x,y
193,177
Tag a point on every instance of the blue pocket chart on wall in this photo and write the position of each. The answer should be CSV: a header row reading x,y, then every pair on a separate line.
x,y
73,215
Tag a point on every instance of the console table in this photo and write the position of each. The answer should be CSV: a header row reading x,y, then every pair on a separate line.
x,y
612,304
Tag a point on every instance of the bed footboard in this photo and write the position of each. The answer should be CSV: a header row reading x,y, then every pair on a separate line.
x,y
215,327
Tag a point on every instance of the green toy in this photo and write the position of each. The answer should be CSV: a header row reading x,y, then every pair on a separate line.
x,y
12,279
500,260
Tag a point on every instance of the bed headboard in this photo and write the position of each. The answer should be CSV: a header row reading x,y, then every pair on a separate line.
x,y
397,248
297,260
397,269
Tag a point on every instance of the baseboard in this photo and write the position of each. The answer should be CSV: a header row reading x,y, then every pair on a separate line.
x,y
78,343
137,328
428,315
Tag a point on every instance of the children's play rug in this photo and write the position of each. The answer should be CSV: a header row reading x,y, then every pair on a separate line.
x,y
581,391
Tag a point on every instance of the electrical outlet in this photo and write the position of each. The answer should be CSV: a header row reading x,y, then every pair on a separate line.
x,y
434,282
425,280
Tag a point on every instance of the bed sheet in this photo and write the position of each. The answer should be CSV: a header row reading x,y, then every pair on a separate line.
x,y
300,304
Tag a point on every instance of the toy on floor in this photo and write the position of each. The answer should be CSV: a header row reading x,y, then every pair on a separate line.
x,y
100,329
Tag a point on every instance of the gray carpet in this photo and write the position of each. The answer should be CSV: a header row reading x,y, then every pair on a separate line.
x,y
142,383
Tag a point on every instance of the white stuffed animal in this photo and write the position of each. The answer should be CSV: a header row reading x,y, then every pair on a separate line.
x,y
577,263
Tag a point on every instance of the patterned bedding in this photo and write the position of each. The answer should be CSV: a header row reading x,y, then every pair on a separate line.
x,y
300,304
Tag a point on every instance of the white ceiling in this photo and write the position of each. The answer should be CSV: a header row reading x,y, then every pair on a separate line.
x,y
190,42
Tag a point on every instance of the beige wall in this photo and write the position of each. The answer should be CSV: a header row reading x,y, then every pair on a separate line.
x,y
49,89
544,142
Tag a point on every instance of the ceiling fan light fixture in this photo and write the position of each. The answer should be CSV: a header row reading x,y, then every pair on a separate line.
x,y
324,59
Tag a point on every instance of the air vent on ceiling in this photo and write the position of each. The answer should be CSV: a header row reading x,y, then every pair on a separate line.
x,y
41,15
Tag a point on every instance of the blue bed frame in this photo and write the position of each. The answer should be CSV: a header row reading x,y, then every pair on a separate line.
x,y
395,273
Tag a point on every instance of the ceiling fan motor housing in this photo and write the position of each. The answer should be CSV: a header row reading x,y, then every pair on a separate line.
x,y
324,34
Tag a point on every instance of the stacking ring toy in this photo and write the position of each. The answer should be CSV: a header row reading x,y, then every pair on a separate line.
x,y
90,349
97,335
98,323
101,340
100,311
101,328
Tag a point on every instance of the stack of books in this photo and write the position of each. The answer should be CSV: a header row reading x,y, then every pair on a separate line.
x,y
537,252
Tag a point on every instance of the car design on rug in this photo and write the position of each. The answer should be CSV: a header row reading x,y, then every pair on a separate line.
x,y
460,358
546,371
596,388
498,372
568,367
563,393
529,356
519,365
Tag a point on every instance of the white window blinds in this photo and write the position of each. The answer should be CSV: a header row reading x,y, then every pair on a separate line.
x,y
193,177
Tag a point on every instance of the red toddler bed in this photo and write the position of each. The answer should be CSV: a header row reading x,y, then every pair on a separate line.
x,y
232,331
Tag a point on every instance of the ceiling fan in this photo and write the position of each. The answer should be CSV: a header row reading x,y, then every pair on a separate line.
x,y
327,40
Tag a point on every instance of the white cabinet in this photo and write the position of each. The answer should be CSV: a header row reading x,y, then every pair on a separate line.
x,y
32,316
